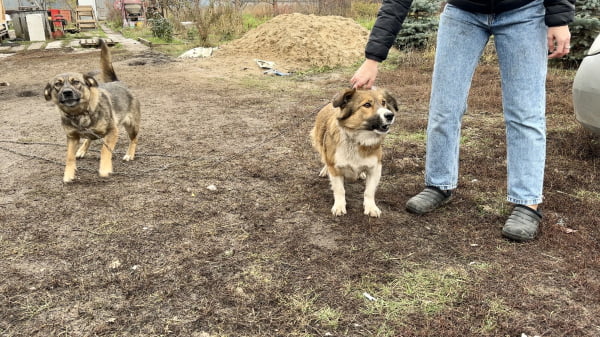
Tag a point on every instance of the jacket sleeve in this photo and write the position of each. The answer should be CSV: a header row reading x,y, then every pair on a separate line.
x,y
390,17
559,12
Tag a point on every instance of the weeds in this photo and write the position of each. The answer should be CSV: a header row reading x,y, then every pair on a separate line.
x,y
422,291
497,310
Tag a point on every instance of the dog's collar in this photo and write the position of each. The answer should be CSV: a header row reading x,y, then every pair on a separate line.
x,y
80,121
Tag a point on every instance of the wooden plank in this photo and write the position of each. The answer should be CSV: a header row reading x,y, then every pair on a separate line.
x,y
89,43
95,42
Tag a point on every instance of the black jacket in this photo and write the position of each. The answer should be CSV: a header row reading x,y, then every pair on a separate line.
x,y
393,12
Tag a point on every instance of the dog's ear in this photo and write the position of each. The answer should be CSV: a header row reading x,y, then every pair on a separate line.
x,y
343,98
90,81
48,91
93,73
390,101
341,101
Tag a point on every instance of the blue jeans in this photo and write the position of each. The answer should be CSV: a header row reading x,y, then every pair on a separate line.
x,y
520,41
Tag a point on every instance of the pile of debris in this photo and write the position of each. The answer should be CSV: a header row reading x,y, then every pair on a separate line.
x,y
299,41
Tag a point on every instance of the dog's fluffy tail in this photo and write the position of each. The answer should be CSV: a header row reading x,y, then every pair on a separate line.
x,y
108,73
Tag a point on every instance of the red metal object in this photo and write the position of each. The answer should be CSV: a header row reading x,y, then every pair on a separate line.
x,y
60,18
61,14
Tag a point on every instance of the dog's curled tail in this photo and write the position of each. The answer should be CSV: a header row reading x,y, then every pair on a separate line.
x,y
108,73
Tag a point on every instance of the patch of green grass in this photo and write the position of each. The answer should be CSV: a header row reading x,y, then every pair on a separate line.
x,y
366,22
493,203
425,291
310,311
146,33
405,136
365,13
497,312
328,317
303,303
588,195
174,50
482,266
251,21
384,330
136,32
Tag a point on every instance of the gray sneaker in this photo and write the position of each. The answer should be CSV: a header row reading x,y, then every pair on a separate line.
x,y
428,200
522,224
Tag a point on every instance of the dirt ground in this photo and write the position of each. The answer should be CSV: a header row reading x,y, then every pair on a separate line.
x,y
221,226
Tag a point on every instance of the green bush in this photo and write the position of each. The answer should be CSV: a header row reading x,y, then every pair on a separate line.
x,y
420,26
584,30
162,28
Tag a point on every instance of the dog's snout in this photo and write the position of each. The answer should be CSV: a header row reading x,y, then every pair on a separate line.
x,y
67,93
68,97
389,116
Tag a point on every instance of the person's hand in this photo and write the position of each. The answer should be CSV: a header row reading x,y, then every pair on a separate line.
x,y
559,39
365,76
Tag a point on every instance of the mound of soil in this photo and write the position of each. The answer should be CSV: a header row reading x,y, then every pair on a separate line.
x,y
303,41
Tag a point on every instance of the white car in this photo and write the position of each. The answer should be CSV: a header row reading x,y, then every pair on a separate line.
x,y
586,89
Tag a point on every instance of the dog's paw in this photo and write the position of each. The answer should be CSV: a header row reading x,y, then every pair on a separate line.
x,y
69,175
68,178
80,154
362,176
338,209
127,158
372,210
105,174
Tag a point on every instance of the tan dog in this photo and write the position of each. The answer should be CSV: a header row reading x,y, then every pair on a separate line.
x,y
92,110
348,134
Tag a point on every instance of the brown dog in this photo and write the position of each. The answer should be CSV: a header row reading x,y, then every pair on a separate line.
x,y
348,134
92,110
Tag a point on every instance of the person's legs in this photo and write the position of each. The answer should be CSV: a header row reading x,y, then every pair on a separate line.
x,y
520,37
461,38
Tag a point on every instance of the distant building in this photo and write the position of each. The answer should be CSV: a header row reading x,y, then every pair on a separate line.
x,y
12,6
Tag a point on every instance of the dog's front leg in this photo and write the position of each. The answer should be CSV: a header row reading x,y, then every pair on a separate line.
x,y
373,177
339,195
71,164
83,149
110,141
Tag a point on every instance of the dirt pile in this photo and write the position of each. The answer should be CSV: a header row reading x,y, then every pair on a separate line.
x,y
303,41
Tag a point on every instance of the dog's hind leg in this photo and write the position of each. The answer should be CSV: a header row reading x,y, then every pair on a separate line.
x,y
132,125
132,131
71,164
83,149
110,140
